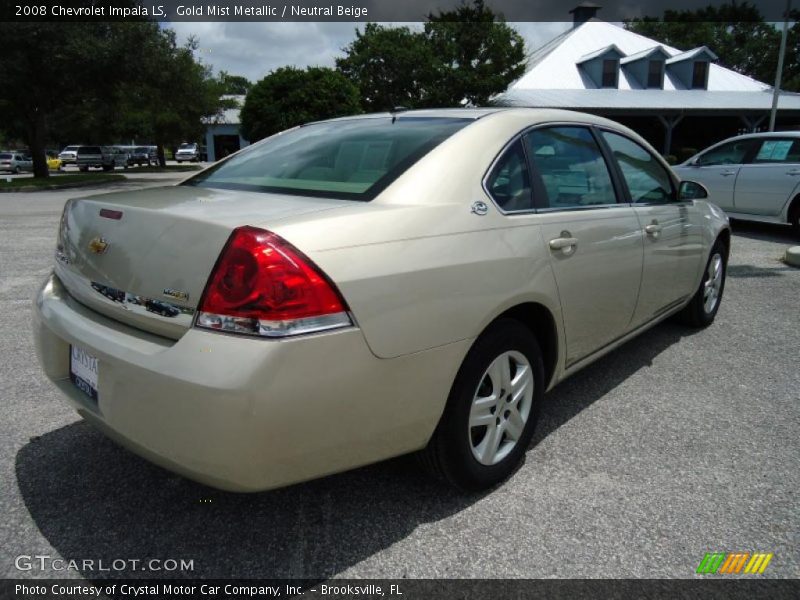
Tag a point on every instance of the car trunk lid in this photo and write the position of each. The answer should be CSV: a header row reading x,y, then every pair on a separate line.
x,y
143,258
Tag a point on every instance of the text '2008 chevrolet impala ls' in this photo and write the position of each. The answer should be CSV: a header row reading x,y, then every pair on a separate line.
x,y
361,288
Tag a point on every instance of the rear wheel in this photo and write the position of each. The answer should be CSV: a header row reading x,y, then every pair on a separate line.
x,y
491,412
703,307
794,217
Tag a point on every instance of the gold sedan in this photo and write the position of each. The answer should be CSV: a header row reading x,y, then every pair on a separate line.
x,y
356,289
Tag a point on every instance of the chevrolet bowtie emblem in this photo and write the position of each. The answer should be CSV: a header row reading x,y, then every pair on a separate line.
x,y
98,245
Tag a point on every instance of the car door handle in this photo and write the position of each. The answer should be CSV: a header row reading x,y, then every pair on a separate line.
x,y
727,173
793,172
563,243
653,229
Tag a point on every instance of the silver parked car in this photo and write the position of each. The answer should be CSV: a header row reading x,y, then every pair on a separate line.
x,y
356,289
754,177
15,162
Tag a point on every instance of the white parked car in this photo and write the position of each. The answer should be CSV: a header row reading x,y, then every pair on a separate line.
x,y
356,289
754,177
188,152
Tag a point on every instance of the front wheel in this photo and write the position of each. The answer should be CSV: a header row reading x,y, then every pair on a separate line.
x,y
703,307
491,412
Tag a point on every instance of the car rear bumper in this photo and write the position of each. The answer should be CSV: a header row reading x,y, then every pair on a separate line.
x,y
245,414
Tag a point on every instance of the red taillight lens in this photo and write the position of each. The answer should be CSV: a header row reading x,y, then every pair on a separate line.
x,y
263,285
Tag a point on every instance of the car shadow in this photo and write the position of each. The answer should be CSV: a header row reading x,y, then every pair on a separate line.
x,y
765,232
590,384
91,499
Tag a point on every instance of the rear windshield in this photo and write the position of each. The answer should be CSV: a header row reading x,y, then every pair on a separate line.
x,y
351,159
186,147
89,150
5,155
70,149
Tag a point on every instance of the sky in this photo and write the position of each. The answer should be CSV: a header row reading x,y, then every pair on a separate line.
x,y
255,49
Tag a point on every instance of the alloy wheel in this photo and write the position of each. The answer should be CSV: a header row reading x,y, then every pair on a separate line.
x,y
500,407
713,283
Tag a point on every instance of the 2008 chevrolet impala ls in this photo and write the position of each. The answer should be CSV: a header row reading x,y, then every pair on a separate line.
x,y
361,288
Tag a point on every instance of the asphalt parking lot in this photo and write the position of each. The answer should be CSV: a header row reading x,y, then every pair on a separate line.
x,y
677,444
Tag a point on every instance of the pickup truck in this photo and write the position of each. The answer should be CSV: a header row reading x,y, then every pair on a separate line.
x,y
103,157
190,152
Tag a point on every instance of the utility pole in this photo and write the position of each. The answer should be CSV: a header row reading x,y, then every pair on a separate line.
x,y
777,89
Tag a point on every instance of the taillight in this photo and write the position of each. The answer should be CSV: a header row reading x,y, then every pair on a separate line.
x,y
262,285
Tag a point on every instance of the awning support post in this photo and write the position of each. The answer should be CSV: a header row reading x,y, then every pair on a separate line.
x,y
752,123
669,124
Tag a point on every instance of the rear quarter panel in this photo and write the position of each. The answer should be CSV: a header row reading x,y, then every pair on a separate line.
x,y
416,266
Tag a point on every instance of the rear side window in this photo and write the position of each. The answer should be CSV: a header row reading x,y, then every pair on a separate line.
x,y
351,159
509,183
732,153
778,151
647,179
571,166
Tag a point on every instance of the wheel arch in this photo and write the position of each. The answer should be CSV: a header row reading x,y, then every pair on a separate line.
x,y
542,323
793,209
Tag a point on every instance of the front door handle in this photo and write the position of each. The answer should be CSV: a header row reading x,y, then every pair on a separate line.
x,y
653,229
727,173
566,243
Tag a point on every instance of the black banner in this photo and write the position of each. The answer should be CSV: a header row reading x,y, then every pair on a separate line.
x,y
338,10
732,588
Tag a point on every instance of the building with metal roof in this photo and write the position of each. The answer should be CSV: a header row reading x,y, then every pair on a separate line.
x,y
222,135
676,99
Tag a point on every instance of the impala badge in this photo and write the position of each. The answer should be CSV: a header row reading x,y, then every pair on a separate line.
x,y
176,294
99,245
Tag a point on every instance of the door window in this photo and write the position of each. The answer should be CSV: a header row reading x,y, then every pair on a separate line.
x,y
647,179
778,150
509,182
732,153
571,166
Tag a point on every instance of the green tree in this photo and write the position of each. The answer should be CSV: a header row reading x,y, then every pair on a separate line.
x,y
80,81
288,97
236,85
169,94
478,55
736,33
391,66
51,69
463,56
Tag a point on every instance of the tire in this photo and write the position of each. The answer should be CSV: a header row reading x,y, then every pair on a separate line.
x,y
17,170
83,169
702,309
460,452
794,218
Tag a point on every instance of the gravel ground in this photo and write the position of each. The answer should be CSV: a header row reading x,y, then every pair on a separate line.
x,y
677,444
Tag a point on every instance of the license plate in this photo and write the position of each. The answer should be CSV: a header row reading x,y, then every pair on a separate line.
x,y
83,371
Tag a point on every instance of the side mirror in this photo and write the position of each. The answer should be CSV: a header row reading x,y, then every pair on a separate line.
x,y
691,190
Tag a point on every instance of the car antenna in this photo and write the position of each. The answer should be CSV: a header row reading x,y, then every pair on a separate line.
x,y
397,109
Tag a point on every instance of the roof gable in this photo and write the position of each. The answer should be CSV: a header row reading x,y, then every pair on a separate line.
x,y
556,64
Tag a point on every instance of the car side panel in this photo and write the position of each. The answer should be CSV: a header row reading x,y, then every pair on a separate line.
x,y
764,189
720,180
412,295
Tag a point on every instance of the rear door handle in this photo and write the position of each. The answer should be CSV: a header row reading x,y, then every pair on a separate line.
x,y
793,172
727,173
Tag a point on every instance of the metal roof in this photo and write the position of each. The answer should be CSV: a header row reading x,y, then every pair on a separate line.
x,y
554,65
649,100
689,54
631,58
